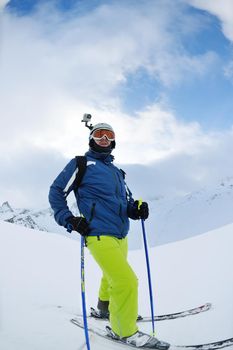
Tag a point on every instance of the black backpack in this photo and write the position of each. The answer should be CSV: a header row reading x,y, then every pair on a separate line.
x,y
82,166
81,162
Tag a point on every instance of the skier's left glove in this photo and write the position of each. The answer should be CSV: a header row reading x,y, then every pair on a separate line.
x,y
79,224
141,212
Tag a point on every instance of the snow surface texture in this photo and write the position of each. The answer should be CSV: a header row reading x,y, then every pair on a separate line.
x,y
171,219
40,289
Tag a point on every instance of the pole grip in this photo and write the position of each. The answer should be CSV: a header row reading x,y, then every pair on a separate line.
x,y
139,203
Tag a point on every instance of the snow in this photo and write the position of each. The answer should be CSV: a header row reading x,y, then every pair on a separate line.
x,y
195,213
40,288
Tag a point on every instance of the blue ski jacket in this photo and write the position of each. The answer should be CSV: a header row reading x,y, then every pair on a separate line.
x,y
102,197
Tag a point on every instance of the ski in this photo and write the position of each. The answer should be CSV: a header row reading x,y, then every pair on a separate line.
x,y
172,316
205,307
104,334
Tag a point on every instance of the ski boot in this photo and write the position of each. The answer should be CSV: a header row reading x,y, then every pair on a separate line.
x,y
99,314
104,315
139,340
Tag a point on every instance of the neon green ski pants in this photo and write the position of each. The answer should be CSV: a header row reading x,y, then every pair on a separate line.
x,y
119,284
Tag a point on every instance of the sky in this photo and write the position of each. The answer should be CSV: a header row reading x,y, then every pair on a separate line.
x,y
159,71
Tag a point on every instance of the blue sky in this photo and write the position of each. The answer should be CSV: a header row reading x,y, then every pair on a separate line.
x,y
25,7
159,71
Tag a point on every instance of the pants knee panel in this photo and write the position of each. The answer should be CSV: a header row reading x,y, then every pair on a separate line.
x,y
130,283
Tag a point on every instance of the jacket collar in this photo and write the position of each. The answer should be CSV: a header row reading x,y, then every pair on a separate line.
x,y
105,157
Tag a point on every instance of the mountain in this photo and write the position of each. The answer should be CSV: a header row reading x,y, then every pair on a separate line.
x,y
195,213
42,220
6,208
171,219
40,289
181,217
29,218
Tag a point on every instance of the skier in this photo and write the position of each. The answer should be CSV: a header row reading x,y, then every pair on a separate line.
x,y
105,204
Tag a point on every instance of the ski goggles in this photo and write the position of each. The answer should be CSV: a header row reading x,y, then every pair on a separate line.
x,y
100,133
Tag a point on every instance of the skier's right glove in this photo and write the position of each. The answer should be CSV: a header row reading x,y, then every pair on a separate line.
x,y
141,211
79,224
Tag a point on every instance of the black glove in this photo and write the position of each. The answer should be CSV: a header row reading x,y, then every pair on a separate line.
x,y
142,212
79,224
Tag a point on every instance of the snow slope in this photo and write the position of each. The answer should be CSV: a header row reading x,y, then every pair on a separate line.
x,y
40,288
195,213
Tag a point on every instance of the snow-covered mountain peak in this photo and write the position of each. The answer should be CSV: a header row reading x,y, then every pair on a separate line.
x,y
5,208
35,219
185,216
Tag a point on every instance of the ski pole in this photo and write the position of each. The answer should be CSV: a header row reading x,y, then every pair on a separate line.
x,y
83,293
69,229
148,271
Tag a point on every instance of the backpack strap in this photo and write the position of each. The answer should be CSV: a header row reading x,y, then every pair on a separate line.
x,y
128,192
81,166
123,173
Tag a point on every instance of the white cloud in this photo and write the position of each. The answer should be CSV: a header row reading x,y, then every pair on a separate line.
x,y
91,55
3,3
53,69
26,178
223,9
228,71
156,134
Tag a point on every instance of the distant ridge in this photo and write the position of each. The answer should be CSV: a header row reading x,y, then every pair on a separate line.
x,y
171,219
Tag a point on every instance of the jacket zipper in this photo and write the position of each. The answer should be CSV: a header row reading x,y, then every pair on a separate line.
x,y
92,212
117,180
